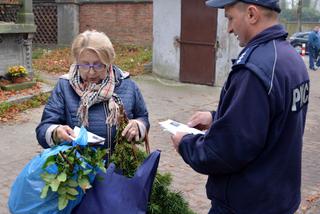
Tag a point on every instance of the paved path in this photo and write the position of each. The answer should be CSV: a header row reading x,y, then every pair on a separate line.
x,y
165,99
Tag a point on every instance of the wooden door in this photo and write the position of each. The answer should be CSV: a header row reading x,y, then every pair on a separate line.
x,y
197,42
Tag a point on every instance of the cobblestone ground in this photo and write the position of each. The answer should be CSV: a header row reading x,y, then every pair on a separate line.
x,y
178,102
18,145
311,148
166,99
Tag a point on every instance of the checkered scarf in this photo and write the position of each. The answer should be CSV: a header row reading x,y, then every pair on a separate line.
x,y
95,93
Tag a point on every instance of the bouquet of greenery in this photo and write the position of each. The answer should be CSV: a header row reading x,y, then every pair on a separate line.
x,y
128,156
73,170
55,180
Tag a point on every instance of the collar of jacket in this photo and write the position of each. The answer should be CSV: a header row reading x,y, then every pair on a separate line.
x,y
271,33
119,74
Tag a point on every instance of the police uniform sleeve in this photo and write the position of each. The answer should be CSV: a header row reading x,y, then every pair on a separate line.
x,y
238,133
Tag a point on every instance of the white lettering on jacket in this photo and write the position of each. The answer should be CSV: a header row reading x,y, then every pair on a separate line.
x,y
300,96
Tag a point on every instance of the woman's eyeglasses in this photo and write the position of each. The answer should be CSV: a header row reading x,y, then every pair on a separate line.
x,y
96,67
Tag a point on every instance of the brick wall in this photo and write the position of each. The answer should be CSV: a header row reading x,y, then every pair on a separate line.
x,y
129,23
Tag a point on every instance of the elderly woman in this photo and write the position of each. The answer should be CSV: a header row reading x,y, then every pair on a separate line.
x,y
90,95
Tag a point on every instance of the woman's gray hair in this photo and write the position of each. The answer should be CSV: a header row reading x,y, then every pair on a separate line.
x,y
96,41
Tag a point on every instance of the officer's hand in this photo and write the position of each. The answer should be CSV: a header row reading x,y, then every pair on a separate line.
x,y
201,120
131,131
176,139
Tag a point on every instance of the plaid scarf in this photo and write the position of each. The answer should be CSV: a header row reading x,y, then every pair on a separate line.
x,y
95,93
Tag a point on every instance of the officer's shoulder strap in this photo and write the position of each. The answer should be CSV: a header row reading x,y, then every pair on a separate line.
x,y
261,63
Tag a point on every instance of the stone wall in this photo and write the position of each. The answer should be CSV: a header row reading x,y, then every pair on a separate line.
x,y
227,50
16,39
128,22
167,27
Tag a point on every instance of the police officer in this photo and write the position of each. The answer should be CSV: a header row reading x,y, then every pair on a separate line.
x,y
251,150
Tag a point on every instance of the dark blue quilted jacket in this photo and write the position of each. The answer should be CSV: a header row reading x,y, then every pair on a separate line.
x,y
63,104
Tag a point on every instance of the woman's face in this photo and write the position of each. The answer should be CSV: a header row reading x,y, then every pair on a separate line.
x,y
91,69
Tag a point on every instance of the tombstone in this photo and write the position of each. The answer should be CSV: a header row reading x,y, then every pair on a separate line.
x,y
16,33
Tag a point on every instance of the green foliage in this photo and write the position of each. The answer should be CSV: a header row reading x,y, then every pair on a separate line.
x,y
33,102
37,77
163,200
128,157
123,159
74,168
308,15
16,71
4,106
38,52
131,57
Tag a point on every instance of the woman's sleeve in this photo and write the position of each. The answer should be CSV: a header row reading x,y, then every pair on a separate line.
x,y
141,113
53,115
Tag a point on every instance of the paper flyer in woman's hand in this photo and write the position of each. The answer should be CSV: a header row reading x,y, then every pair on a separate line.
x,y
92,138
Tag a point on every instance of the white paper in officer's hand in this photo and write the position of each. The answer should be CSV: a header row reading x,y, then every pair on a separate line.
x,y
173,127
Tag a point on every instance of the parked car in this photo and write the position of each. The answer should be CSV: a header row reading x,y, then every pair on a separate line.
x,y
299,38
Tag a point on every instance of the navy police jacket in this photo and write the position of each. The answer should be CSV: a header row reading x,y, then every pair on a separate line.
x,y
252,151
64,102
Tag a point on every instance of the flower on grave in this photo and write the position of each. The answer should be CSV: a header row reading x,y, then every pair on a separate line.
x,y
17,71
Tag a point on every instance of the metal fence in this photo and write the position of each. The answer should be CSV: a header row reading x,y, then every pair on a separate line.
x,y
8,12
46,21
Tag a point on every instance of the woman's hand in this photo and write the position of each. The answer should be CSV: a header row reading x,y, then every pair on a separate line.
x,y
201,120
131,131
63,133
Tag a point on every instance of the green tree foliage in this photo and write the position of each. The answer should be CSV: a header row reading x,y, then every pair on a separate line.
x,y
129,157
164,200
308,15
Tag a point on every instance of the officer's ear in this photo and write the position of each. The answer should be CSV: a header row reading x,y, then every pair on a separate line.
x,y
253,14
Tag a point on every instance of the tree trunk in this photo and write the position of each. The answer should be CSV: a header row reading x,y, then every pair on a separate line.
x,y
299,15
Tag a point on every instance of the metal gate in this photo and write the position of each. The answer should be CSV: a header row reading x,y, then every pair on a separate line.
x,y
45,18
198,39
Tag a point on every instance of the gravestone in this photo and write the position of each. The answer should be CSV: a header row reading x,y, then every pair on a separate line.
x,y
16,33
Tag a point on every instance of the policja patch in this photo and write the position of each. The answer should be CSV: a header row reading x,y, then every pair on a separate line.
x,y
300,96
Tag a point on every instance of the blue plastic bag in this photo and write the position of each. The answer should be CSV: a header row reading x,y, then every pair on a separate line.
x,y
26,190
117,194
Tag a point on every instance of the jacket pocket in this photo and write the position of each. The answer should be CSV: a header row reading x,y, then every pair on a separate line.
x,y
217,187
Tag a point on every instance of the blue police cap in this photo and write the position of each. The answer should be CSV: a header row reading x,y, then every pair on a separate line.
x,y
271,4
